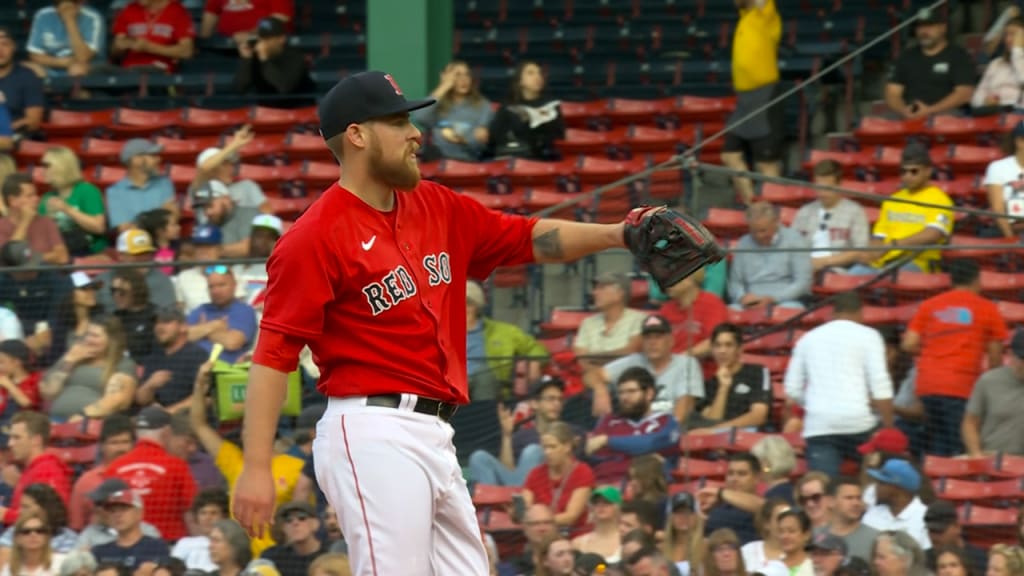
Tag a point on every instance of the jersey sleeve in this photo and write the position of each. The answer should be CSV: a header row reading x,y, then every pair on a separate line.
x,y
302,263
278,351
939,218
497,239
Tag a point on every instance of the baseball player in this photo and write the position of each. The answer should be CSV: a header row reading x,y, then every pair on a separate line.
x,y
373,279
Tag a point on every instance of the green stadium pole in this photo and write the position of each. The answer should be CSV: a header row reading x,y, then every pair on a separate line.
x,y
411,40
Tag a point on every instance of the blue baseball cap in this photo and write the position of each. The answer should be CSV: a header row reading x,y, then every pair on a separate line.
x,y
899,473
206,235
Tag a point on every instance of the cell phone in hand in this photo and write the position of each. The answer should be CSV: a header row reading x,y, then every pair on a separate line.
x,y
518,507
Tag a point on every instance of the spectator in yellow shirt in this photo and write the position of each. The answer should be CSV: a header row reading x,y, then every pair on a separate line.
x,y
902,224
755,78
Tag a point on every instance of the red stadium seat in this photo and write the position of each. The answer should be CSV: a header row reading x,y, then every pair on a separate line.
x,y
817,316
623,111
267,176
578,141
784,195
65,432
690,468
848,160
645,139
564,321
602,171
920,284
888,315
873,130
962,129
774,364
959,490
204,122
76,455
100,151
984,516
536,199
967,160
695,486
98,260
133,123
698,443
524,172
289,208
962,247
275,120
942,467
888,160
1002,285
1012,312
262,146
1008,466
106,176
182,176
319,175
307,147
458,173
487,495
744,441
64,123
701,109
773,342
557,345
502,202
578,114
185,150
726,222
749,317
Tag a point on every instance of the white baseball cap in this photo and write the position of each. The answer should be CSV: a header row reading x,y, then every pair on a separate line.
x,y
268,221
80,280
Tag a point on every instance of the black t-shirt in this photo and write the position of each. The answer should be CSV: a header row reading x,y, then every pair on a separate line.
x,y
138,330
183,366
33,299
725,515
288,562
751,385
932,78
147,549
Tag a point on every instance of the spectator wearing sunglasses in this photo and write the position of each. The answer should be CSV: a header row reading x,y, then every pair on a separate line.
x,y
32,553
900,224
191,287
136,246
832,221
224,320
813,497
136,313
297,526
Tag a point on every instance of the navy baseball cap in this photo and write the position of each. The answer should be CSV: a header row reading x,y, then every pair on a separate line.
x,y
361,97
206,235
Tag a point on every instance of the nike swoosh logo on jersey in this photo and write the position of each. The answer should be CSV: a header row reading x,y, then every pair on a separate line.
x,y
369,243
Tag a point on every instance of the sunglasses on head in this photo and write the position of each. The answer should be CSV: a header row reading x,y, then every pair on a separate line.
x,y
216,269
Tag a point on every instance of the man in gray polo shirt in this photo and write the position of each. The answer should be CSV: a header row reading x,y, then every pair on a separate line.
x,y
832,222
767,276
992,422
214,200
678,376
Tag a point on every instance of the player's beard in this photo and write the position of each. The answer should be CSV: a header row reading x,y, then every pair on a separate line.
x,y
400,174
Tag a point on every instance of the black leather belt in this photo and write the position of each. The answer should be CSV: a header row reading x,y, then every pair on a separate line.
x,y
443,410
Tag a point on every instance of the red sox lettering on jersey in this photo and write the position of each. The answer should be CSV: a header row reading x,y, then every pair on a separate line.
x,y
398,284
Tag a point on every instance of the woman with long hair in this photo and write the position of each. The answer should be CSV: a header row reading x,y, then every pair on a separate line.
x,y
555,557
684,533
70,318
794,533
165,230
723,554
458,123
42,500
1000,85
76,205
32,554
896,553
1005,560
953,561
133,308
760,552
528,125
647,481
94,378
562,482
604,540
230,549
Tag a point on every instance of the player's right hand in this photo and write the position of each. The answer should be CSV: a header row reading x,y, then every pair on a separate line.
x,y
253,505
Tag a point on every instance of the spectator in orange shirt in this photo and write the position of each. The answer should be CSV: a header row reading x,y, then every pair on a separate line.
x,y
694,313
153,33
952,334
162,480
116,438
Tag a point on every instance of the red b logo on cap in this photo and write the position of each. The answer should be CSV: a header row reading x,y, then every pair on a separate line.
x,y
393,84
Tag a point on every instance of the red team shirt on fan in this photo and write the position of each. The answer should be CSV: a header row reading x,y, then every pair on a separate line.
x,y
236,16
166,27
380,298
694,325
955,328
163,481
544,487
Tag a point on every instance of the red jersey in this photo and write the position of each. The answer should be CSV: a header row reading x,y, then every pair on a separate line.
x,y
380,298
545,489
43,469
29,387
166,27
694,324
163,481
234,16
955,328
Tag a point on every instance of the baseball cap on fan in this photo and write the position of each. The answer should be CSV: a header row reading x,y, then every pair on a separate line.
x,y
134,242
888,440
361,97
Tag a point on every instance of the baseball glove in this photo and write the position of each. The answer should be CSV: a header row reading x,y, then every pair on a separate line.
x,y
669,245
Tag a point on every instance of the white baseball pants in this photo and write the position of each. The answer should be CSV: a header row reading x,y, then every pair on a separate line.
x,y
392,476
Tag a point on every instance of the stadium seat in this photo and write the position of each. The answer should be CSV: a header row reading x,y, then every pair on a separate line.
x,y
873,131
966,160
76,455
748,317
583,114
702,109
640,139
889,315
262,147
920,284
785,195
1008,466
459,173
106,176
100,151
488,495
592,170
692,468
578,141
848,160
773,342
502,202
182,176
134,123
307,147
625,111
279,120
962,129
289,208
537,199
955,467
694,486
524,172
889,159
65,432
205,122
318,175
564,321
1002,285
557,345
690,444
959,490
184,150
726,222
268,177
775,364
973,515
64,123
744,441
